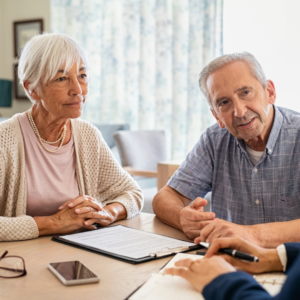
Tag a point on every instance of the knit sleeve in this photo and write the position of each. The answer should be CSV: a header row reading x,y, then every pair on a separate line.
x,y
18,228
12,228
101,175
116,185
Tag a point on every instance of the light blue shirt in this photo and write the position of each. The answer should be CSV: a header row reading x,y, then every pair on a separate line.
x,y
241,192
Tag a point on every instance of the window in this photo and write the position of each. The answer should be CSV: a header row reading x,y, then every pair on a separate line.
x,y
269,29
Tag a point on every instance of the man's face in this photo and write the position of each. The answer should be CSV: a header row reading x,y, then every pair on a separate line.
x,y
239,101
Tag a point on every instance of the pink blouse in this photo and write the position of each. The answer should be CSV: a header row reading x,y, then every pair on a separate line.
x,y
50,177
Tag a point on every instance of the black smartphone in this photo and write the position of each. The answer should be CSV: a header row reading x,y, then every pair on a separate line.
x,y
73,272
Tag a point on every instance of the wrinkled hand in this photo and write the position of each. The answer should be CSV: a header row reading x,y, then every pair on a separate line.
x,y
77,213
89,201
106,215
268,258
218,228
107,218
84,204
190,217
201,272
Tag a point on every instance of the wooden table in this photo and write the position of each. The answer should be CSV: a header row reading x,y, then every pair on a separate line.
x,y
117,279
165,170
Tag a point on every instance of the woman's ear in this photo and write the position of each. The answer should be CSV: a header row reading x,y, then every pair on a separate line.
x,y
32,93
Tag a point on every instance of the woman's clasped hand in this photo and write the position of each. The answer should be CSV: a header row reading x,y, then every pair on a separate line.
x,y
81,212
89,209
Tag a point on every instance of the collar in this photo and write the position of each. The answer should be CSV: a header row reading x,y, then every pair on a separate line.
x,y
276,127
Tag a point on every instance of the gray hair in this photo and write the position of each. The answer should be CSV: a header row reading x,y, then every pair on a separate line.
x,y
220,62
44,55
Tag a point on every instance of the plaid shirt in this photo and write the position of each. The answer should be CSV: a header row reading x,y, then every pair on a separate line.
x,y
241,192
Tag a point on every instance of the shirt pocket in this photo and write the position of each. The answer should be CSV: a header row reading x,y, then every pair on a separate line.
x,y
290,207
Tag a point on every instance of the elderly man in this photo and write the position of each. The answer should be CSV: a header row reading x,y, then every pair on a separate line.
x,y
249,161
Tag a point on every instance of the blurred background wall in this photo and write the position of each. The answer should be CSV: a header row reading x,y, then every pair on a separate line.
x,y
11,11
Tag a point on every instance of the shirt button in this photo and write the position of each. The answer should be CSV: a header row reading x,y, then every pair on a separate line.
x,y
255,170
257,201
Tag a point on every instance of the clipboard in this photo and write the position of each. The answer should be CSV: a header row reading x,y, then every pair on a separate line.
x,y
151,256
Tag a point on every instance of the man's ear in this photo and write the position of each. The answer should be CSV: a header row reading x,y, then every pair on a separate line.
x,y
32,93
218,120
272,92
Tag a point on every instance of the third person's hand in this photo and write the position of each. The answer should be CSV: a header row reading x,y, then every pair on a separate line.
x,y
268,258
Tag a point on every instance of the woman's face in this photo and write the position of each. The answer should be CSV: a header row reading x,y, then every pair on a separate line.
x,y
64,95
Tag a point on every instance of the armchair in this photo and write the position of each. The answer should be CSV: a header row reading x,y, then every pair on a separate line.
x,y
140,151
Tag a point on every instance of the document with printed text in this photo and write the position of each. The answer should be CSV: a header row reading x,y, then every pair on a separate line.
x,y
125,241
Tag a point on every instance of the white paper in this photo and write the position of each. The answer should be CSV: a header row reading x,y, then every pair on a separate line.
x,y
177,257
166,287
272,282
125,241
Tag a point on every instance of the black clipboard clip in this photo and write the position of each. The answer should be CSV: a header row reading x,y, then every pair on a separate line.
x,y
167,251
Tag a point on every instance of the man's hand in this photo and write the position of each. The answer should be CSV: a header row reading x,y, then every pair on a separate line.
x,y
200,272
192,216
217,228
268,258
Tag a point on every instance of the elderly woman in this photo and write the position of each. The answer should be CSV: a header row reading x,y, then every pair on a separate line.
x,y
57,174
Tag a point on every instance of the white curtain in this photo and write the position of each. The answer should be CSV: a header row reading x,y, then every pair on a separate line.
x,y
145,58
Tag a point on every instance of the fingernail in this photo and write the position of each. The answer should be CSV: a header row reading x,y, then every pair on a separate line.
x,y
77,210
86,223
211,216
70,204
60,207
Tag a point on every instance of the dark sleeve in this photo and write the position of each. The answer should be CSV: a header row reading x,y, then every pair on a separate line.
x,y
235,286
242,286
291,287
194,177
292,251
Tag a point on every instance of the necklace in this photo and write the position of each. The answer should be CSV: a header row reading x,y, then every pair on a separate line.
x,y
42,141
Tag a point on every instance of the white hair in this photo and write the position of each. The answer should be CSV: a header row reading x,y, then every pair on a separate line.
x,y
220,62
45,54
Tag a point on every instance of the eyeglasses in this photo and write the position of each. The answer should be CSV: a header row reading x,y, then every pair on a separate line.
x,y
12,266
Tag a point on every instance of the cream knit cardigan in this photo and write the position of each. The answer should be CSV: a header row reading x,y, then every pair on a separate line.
x,y
98,175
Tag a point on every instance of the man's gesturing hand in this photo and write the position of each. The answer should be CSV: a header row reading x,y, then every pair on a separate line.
x,y
191,216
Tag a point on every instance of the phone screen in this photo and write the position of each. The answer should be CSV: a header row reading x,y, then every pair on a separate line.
x,y
72,270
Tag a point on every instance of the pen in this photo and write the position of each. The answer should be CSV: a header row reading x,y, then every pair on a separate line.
x,y
234,253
